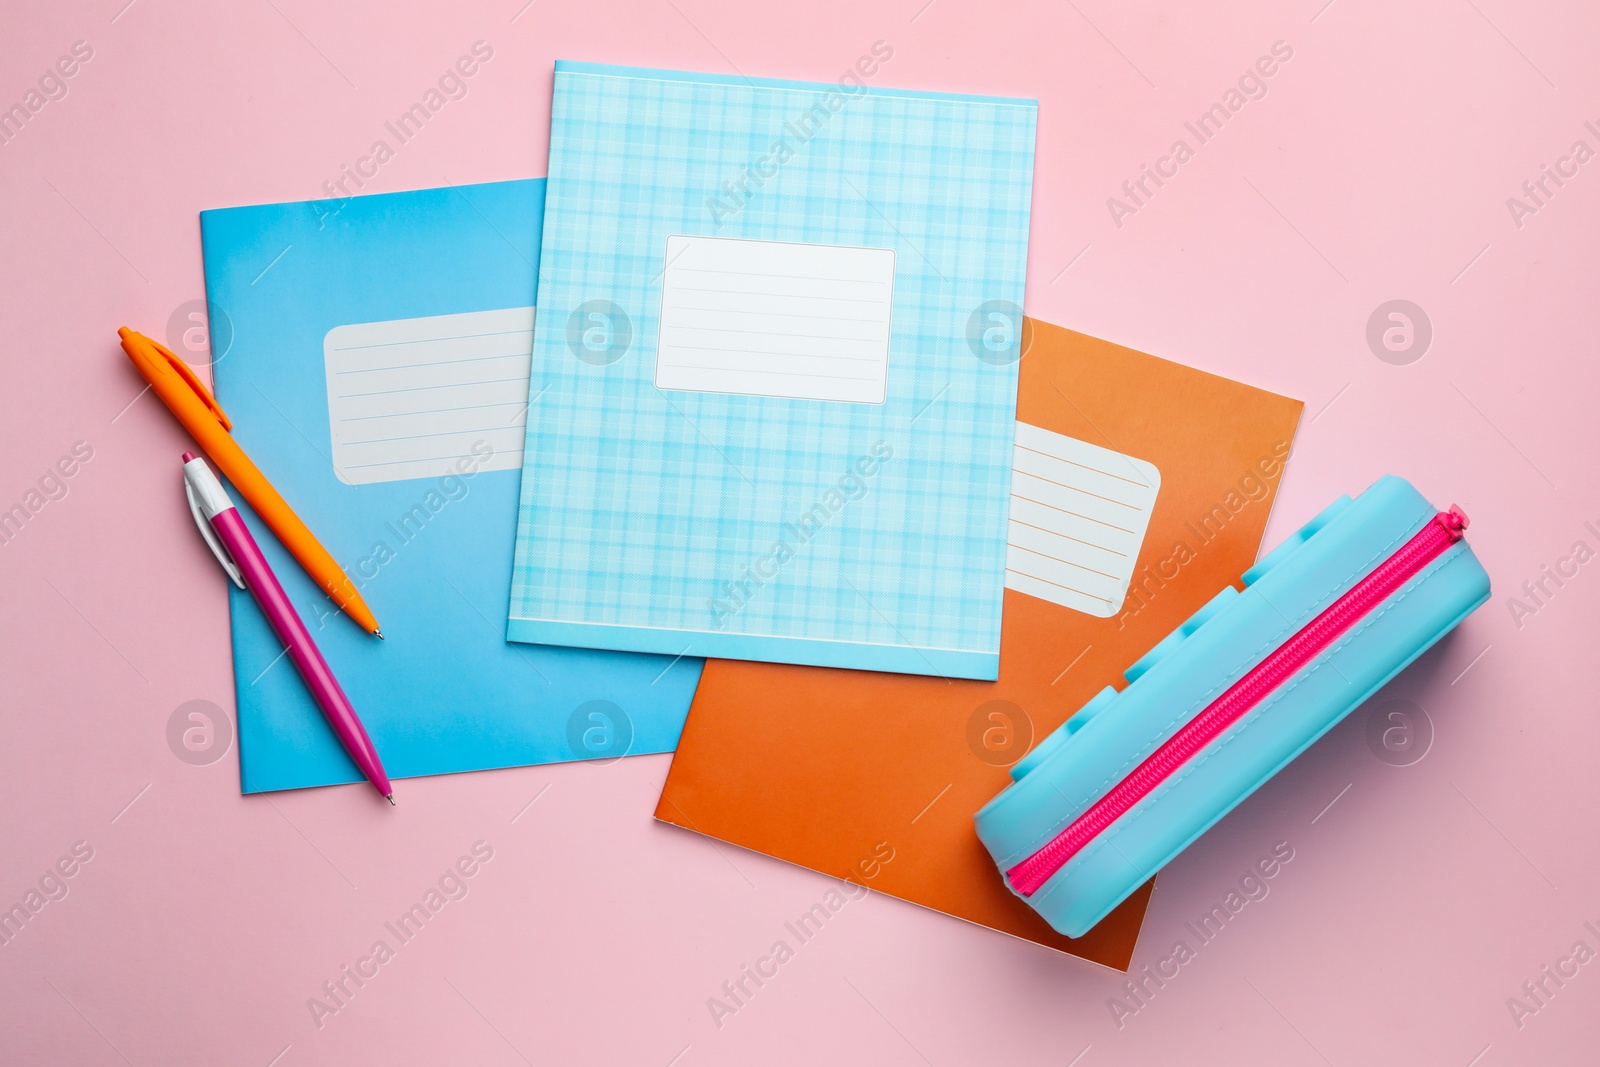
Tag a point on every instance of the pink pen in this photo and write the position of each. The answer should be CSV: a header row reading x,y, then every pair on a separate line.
x,y
230,541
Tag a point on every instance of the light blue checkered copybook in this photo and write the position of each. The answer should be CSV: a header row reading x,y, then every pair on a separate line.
x,y
774,371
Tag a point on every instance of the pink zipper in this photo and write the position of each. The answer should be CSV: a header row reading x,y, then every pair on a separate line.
x,y
1442,531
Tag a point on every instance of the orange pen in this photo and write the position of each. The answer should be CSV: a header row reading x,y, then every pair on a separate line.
x,y
186,395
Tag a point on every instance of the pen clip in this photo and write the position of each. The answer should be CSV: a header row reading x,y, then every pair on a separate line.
x,y
192,380
211,537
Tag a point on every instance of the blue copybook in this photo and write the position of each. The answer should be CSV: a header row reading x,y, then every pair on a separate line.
x,y
775,370
378,376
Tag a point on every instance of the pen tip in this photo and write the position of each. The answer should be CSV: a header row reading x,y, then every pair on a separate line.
x,y
378,634
390,798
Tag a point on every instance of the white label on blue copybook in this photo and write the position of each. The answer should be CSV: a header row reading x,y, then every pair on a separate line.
x,y
1079,514
775,318
413,398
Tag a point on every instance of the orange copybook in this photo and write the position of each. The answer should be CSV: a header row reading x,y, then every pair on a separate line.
x,y
875,777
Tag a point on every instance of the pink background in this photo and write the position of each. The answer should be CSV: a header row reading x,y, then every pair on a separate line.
x,y
1377,167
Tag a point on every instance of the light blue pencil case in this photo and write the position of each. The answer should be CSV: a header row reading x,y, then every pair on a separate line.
x,y
1227,699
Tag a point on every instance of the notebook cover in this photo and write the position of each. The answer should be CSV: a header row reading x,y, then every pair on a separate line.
x,y
768,423
875,777
408,294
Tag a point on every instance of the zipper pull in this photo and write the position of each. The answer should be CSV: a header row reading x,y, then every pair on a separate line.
x,y
1453,522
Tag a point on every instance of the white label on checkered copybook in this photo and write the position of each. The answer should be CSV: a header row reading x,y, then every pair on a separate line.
x,y
1078,518
770,318
415,398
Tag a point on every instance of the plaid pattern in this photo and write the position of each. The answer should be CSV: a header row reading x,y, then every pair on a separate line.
x,y
647,509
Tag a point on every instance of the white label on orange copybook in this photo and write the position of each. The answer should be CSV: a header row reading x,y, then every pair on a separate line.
x,y
1078,518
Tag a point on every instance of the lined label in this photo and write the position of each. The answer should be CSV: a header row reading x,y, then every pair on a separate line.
x,y
1079,514
411,398
769,318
